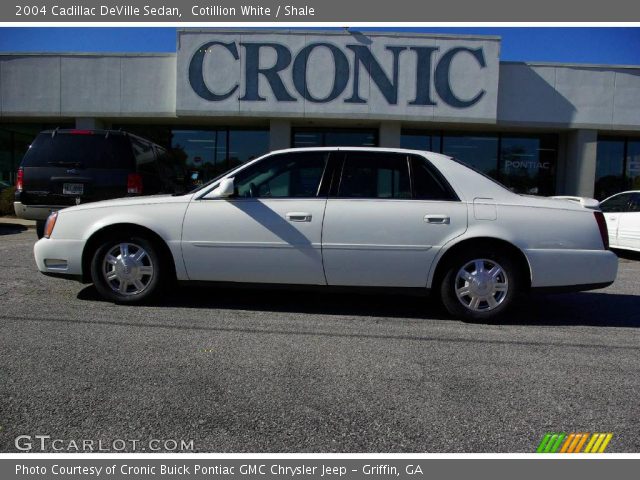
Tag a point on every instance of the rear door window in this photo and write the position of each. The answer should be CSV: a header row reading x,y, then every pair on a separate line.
x,y
375,175
79,151
428,184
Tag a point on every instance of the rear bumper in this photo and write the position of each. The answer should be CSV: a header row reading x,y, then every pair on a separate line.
x,y
35,212
59,257
572,270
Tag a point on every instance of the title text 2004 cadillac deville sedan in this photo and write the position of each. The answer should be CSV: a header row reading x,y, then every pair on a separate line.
x,y
343,217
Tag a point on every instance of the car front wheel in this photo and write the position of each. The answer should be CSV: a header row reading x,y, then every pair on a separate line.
x,y
127,269
480,286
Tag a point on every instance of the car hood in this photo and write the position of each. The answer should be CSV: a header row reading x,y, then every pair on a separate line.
x,y
131,202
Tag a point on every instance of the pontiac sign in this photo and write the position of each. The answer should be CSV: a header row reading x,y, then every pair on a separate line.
x,y
380,76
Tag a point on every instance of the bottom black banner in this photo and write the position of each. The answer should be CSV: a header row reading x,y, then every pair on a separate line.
x,y
314,468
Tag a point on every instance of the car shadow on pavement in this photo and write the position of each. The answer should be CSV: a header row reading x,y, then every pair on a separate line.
x,y
292,301
597,309
627,254
574,309
11,228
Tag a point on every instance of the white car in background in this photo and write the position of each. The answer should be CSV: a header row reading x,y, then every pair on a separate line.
x,y
622,213
338,217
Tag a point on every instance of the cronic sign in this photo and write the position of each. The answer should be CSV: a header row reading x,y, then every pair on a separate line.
x,y
354,61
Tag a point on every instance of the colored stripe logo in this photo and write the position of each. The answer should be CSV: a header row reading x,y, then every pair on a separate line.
x,y
574,443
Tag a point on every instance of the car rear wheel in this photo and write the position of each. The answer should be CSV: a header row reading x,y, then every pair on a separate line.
x,y
127,269
480,286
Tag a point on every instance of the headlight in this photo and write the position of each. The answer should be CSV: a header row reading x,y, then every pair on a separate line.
x,y
51,222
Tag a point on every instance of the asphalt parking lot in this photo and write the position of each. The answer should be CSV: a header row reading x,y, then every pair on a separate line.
x,y
277,371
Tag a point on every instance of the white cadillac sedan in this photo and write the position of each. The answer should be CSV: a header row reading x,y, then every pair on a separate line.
x,y
622,213
338,217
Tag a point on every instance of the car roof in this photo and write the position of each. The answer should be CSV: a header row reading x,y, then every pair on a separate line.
x,y
360,149
91,130
620,193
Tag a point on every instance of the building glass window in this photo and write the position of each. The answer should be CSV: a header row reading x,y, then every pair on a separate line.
x,y
245,145
6,157
418,140
617,166
523,163
477,151
633,164
210,153
334,137
528,164
206,152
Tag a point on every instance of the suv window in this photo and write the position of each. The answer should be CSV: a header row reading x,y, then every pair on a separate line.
x,y
427,183
289,175
145,158
619,203
79,151
375,175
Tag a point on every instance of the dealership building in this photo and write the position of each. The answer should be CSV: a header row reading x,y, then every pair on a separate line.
x,y
227,96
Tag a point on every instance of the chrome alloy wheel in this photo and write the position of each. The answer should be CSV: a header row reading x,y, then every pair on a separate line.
x,y
127,268
481,285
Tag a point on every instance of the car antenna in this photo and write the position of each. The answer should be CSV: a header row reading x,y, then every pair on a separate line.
x,y
53,134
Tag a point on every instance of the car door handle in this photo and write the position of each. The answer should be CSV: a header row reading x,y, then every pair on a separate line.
x,y
437,219
299,217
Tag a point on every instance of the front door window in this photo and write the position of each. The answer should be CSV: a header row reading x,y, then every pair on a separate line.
x,y
290,175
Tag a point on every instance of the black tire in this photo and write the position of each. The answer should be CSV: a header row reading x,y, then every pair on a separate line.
x,y
481,287
40,228
153,282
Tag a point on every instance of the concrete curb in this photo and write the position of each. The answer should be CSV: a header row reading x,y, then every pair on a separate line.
x,y
17,222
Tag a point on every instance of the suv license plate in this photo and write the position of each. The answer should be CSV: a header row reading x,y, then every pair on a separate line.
x,y
72,188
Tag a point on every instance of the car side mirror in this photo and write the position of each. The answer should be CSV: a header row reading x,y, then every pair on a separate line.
x,y
224,190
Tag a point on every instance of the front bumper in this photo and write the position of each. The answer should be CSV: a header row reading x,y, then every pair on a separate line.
x,y
572,268
59,257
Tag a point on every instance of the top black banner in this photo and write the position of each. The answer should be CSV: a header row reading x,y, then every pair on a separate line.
x,y
305,11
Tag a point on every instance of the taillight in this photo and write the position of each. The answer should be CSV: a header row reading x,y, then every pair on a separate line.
x,y
134,184
20,180
602,226
81,132
51,222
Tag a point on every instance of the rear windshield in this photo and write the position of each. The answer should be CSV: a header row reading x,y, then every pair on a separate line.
x,y
79,151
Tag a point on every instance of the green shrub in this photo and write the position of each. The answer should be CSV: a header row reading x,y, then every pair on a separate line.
x,y
6,201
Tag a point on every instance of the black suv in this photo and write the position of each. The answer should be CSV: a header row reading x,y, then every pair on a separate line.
x,y
68,167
